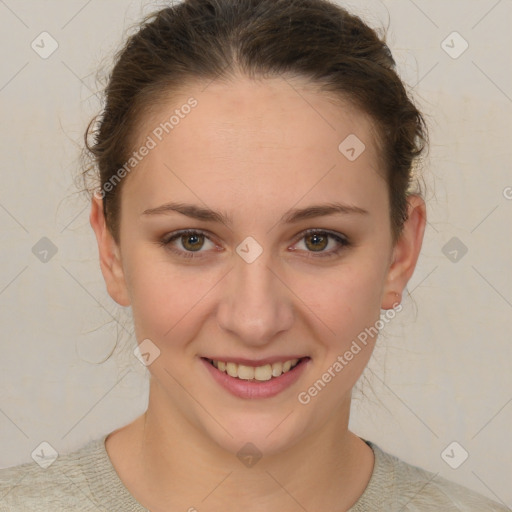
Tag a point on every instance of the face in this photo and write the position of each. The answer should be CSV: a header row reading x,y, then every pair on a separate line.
x,y
266,278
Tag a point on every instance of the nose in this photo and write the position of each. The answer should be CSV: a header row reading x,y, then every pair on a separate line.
x,y
255,304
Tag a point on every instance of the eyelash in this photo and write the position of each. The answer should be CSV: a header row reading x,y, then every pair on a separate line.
x,y
341,240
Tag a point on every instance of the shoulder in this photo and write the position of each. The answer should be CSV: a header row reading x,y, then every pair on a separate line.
x,y
429,491
63,485
396,485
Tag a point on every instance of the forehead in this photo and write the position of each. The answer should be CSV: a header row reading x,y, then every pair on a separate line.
x,y
279,138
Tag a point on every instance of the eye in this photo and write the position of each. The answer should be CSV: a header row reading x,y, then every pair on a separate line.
x,y
191,241
316,241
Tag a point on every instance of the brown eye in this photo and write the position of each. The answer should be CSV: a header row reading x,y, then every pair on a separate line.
x,y
318,242
188,243
192,241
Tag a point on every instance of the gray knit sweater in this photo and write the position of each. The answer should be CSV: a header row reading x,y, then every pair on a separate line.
x,y
86,481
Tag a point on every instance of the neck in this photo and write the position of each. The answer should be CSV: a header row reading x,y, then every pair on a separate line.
x,y
167,463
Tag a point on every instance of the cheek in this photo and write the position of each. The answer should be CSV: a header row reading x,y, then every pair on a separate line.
x,y
165,296
345,299
348,306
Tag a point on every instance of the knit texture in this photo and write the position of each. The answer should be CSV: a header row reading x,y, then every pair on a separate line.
x,y
86,481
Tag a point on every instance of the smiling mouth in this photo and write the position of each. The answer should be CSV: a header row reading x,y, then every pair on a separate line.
x,y
256,373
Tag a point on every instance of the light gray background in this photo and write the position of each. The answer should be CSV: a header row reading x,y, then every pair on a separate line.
x,y
441,372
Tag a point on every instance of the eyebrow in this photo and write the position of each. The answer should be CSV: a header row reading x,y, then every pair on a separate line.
x,y
291,216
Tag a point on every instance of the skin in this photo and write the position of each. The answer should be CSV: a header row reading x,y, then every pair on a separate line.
x,y
254,150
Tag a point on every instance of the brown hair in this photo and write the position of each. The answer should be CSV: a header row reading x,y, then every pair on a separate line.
x,y
207,39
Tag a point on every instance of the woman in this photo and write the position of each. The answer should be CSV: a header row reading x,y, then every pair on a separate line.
x,y
256,211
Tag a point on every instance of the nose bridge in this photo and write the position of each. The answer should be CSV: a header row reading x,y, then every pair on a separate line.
x,y
255,305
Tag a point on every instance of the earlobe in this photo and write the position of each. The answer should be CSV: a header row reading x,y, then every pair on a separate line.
x,y
406,252
109,255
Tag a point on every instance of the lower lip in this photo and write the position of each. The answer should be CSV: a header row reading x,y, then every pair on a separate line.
x,y
257,389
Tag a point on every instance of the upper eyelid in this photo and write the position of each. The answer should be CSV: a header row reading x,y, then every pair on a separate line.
x,y
176,234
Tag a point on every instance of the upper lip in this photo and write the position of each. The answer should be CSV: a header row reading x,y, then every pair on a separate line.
x,y
254,362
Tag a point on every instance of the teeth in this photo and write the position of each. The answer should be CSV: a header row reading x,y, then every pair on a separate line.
x,y
277,369
244,372
261,373
232,369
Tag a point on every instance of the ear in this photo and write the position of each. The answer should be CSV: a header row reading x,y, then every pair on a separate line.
x,y
110,256
405,253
